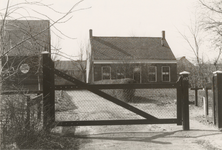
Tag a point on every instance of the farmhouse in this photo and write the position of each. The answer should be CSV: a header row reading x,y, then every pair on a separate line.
x,y
144,59
22,44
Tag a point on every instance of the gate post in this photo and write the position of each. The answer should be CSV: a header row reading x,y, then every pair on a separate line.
x,y
52,94
185,100
48,104
179,101
218,98
214,98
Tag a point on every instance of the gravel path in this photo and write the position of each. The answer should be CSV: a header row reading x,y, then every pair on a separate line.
x,y
141,137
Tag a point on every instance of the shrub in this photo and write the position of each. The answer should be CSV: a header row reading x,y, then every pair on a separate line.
x,y
16,135
125,95
63,102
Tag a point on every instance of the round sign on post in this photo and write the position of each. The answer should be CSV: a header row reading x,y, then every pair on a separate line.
x,y
24,68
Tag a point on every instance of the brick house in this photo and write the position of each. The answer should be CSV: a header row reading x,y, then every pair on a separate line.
x,y
22,43
144,59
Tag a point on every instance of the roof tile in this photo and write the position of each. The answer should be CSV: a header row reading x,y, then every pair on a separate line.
x,y
128,48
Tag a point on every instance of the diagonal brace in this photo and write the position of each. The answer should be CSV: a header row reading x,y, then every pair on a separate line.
x,y
104,95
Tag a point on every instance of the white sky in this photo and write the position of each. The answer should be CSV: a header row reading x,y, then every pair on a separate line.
x,y
145,18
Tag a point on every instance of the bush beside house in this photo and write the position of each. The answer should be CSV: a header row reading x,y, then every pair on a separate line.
x,y
125,95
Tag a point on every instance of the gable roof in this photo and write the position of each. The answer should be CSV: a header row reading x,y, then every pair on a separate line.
x,y
184,61
130,48
36,31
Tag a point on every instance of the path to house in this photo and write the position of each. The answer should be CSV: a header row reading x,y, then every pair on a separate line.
x,y
143,137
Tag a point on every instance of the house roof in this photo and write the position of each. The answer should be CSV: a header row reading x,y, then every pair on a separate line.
x,y
130,48
29,37
183,60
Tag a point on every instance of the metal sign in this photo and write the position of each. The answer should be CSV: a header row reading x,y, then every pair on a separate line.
x,y
24,68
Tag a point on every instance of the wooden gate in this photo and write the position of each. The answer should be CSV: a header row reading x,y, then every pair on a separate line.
x,y
49,88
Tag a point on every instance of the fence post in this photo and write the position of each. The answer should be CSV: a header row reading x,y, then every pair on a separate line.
x,y
39,110
196,96
46,89
52,94
179,101
206,102
214,93
27,125
185,100
218,98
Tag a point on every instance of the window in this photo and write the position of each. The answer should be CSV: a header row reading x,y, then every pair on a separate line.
x,y
166,74
120,74
152,75
106,73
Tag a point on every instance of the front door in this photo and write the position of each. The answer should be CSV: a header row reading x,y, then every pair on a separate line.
x,y
137,74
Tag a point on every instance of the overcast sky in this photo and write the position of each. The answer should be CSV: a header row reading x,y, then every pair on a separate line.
x,y
143,18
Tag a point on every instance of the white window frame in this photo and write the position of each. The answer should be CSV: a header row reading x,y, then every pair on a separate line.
x,y
162,73
152,73
109,72
120,74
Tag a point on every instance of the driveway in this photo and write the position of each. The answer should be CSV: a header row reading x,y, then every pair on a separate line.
x,y
141,137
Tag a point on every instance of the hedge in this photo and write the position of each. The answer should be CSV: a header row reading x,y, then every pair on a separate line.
x,y
125,95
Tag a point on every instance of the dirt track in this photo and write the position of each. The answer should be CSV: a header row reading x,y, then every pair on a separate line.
x,y
143,137
133,137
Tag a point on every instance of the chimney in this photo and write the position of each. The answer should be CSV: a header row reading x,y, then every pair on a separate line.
x,y
163,38
90,33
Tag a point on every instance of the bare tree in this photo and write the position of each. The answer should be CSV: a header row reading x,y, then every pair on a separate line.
x,y
84,55
31,9
213,24
31,41
194,39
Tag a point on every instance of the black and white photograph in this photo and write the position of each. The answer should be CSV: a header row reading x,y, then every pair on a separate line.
x,y
111,74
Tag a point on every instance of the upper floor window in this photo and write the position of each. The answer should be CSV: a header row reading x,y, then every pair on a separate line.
x,y
166,74
152,74
106,73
